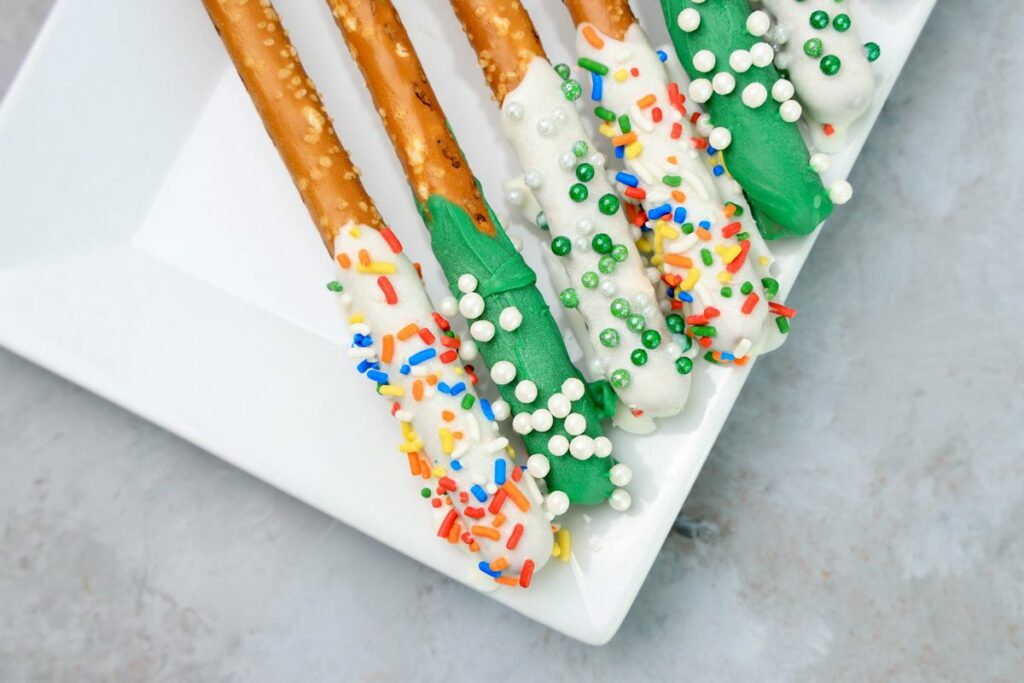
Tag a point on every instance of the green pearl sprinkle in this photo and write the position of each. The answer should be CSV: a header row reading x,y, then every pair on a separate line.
x,y
580,148
425,492
609,337
684,365
572,89
620,378
602,243
620,253
578,192
606,265
562,70
651,339
585,172
636,322
542,221
638,356
569,297
561,245
814,47
819,19
675,323
872,51
590,279
620,308
334,286
686,343
842,22
830,65
608,204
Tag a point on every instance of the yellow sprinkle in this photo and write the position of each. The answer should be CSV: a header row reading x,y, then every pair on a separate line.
x,y
391,390
377,268
668,232
408,433
607,130
439,471
729,253
643,245
724,276
354,231
356,318
657,260
692,275
633,150
763,260
564,544
411,447
457,369
620,75
555,550
447,441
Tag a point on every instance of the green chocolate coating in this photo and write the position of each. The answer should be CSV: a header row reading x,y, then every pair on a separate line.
x,y
535,348
767,156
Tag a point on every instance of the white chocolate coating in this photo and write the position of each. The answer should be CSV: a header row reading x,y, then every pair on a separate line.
x,y
543,129
440,434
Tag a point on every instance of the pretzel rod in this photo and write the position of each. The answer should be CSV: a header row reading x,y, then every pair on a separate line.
x,y
608,286
715,265
401,344
560,423
610,17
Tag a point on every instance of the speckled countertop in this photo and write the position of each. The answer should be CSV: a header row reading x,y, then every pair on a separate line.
x,y
869,530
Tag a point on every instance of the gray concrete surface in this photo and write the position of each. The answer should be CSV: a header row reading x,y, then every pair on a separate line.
x,y
859,519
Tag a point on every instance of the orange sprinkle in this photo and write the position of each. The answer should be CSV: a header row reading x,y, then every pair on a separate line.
x,y
672,159
453,535
344,261
646,101
516,495
592,37
679,196
678,260
486,532
500,564
507,580
414,464
703,234
432,380
627,139
408,331
364,257
730,209
388,352
417,390
447,415
742,361
498,520
425,468
474,547
457,435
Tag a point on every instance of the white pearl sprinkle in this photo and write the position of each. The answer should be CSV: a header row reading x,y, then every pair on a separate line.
x,y
467,283
620,500
608,288
740,61
514,111
557,503
754,95
567,161
673,350
758,23
602,446
820,162
526,391
558,445
503,372
521,423
546,127
782,90
620,474
541,420
559,405
482,330
468,350
704,126
704,61
538,466
762,54
533,179
515,197
501,409
573,389
582,447
790,111
449,306
700,90
471,305
584,225
840,192
688,20
510,319
575,424
723,83
720,138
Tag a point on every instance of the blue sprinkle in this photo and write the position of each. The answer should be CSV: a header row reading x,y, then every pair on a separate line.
x,y
620,152
357,338
443,388
684,296
422,356
405,369
367,341
659,211
478,492
364,365
728,356
627,179
597,86
662,55
486,569
458,389
680,215
378,376
499,471
485,406
705,224
718,170
711,151
456,465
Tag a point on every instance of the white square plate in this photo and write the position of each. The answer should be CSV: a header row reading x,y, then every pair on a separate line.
x,y
152,249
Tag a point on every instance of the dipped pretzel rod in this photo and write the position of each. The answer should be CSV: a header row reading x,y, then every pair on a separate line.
x,y
696,223
510,321
608,285
403,346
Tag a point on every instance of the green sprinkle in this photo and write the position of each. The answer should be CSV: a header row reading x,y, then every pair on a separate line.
x,y
710,357
684,365
620,378
580,148
609,337
740,236
562,70
334,286
746,288
651,339
608,204
636,322
585,172
675,323
467,401
590,279
842,22
813,47
727,292
687,228
425,492
561,245
604,114
569,297
620,308
830,65
602,243
597,67
606,264
578,192
872,51
620,253
706,257
783,324
737,210
638,356
704,330
571,89
771,287
624,125
672,180
819,20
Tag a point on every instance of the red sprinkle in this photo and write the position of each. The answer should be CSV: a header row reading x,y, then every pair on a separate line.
x,y
694,117
426,335
447,524
704,341
513,538
391,239
731,229
738,261
450,342
446,484
389,291
656,114
517,474
498,500
635,71
779,309
449,356
829,129
463,497
697,320
711,312
635,193
699,143
677,130
748,305
475,513
527,574
441,321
